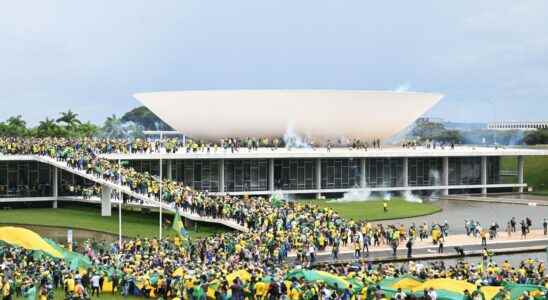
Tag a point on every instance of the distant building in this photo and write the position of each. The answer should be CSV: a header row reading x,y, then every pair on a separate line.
x,y
513,125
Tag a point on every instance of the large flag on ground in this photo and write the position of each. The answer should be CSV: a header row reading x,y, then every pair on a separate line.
x,y
180,227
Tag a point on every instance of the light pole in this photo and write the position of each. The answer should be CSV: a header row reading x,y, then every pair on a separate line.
x,y
120,201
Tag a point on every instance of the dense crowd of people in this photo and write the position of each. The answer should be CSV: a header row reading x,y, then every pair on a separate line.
x,y
9,145
173,268
168,270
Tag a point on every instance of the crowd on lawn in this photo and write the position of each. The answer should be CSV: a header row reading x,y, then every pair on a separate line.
x,y
146,267
168,269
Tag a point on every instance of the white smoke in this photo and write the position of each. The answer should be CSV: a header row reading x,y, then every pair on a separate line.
x,y
403,87
435,174
410,197
281,196
355,195
115,128
293,140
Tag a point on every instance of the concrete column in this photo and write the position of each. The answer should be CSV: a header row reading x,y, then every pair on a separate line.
x,y
169,171
445,175
221,175
319,176
106,196
521,167
363,171
484,175
271,175
55,186
405,175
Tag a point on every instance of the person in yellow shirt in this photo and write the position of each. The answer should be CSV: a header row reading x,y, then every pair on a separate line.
x,y
5,288
69,284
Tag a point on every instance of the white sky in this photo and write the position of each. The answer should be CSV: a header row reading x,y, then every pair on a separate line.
x,y
489,57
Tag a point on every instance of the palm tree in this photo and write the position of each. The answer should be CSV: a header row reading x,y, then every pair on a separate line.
x,y
112,127
69,118
15,126
48,127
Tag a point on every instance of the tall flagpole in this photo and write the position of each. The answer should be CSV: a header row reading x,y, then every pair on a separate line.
x,y
161,182
120,201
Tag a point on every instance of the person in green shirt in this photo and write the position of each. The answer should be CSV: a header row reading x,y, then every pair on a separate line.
x,y
29,292
198,293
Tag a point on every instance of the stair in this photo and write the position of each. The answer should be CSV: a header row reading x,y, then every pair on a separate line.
x,y
147,201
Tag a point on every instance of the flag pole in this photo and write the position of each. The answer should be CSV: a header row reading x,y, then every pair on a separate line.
x,y
120,201
161,182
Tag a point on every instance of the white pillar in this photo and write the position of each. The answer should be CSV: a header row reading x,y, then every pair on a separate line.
x,y
363,175
55,186
221,176
484,175
405,172
106,204
521,166
319,176
169,171
271,175
445,175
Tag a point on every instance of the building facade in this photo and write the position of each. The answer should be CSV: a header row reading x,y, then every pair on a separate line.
x,y
306,171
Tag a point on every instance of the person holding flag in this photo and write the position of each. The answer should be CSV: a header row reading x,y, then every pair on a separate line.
x,y
179,227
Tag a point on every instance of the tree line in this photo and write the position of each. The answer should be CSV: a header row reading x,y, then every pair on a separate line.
x,y
68,125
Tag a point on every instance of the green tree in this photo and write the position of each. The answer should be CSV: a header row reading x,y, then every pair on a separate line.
x,y
49,127
87,130
536,137
427,130
147,119
69,118
115,127
14,127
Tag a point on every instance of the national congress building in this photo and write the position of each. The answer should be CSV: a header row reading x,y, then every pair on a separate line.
x,y
323,115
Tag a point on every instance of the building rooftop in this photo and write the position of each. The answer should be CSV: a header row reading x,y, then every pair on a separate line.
x,y
262,153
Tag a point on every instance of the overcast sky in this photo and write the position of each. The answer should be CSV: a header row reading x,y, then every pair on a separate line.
x,y
490,58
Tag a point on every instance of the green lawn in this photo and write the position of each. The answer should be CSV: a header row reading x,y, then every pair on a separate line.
x,y
373,210
536,171
134,223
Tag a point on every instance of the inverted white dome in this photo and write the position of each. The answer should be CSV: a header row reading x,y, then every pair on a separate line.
x,y
321,114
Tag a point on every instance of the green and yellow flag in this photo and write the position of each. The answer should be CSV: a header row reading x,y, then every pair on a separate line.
x,y
180,227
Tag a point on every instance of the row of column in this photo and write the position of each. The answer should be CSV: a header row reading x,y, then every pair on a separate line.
x,y
107,191
363,167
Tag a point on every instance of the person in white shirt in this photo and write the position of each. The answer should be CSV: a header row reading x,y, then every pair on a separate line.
x,y
95,279
432,294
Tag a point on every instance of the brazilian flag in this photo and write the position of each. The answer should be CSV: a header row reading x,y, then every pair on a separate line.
x,y
277,201
180,227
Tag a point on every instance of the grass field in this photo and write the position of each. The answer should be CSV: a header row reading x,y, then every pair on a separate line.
x,y
536,172
373,210
134,223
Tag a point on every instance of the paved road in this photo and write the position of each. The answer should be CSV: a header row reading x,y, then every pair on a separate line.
x,y
402,251
455,212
